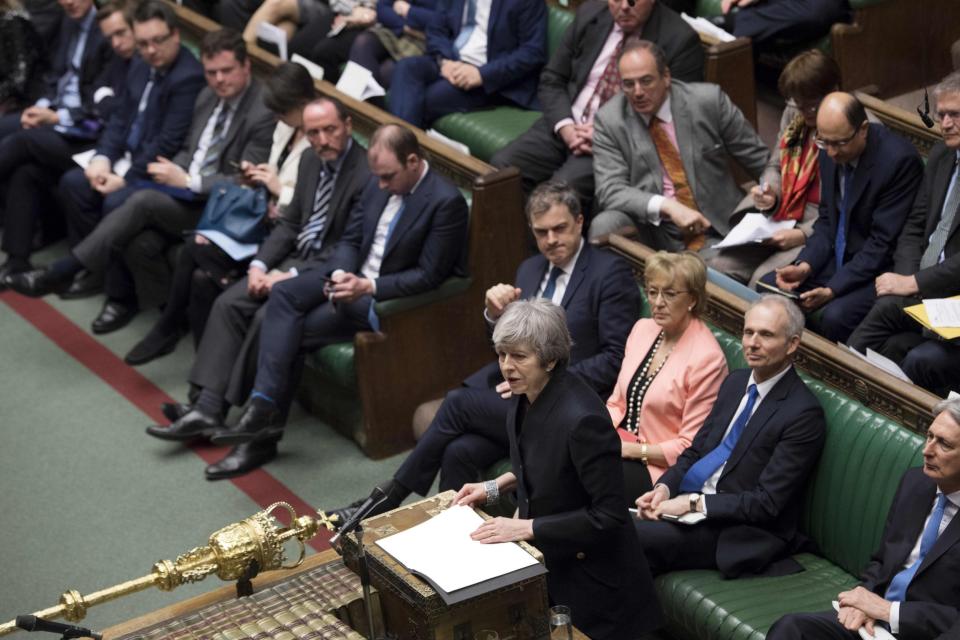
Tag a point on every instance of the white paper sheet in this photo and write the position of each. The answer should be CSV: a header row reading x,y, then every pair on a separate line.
x,y
753,228
316,71
450,142
274,35
441,549
879,633
236,250
943,312
879,361
702,25
358,83
83,158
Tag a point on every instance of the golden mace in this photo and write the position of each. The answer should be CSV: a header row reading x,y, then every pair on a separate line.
x,y
229,553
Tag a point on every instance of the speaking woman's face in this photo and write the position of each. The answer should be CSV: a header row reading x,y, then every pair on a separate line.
x,y
522,370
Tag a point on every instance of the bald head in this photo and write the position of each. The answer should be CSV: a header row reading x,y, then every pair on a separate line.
x,y
842,127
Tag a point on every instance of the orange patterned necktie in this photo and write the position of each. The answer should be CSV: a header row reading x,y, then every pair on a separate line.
x,y
673,165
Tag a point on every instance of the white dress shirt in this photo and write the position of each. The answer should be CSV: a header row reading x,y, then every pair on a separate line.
x,y
474,50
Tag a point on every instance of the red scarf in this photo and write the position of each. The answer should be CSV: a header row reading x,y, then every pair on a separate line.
x,y
799,170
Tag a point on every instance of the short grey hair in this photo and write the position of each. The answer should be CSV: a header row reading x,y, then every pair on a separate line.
x,y
795,319
951,406
537,324
949,85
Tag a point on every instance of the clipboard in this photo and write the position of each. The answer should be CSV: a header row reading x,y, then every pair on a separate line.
x,y
919,313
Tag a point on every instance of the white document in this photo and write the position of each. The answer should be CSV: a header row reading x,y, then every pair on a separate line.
x,y
702,25
358,83
442,550
83,158
316,71
120,167
880,361
236,250
450,142
879,633
753,228
274,35
943,312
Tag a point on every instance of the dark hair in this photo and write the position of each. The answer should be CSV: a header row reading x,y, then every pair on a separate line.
x,y
288,87
550,193
110,7
854,112
155,10
633,43
810,75
224,40
398,139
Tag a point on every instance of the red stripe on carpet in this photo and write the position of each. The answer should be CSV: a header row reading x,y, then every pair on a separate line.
x,y
259,485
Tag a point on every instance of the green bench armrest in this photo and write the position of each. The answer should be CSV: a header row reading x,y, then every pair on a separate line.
x,y
450,288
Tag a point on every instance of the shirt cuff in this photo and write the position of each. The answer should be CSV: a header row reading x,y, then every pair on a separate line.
x,y
64,118
562,124
43,103
102,157
660,484
195,183
486,316
259,264
293,271
653,209
374,292
895,618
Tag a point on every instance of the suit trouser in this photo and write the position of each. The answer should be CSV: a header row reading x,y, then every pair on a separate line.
x,y
235,14
9,124
144,209
30,161
83,207
810,626
665,236
794,20
670,546
299,318
540,154
467,435
419,95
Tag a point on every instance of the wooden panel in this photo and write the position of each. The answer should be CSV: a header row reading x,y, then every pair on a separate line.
x,y
730,65
909,405
905,123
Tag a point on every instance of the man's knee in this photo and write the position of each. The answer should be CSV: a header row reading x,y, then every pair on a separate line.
x,y
607,222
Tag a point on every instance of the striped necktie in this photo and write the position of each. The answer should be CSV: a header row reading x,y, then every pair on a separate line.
x,y
938,239
209,165
312,231
135,135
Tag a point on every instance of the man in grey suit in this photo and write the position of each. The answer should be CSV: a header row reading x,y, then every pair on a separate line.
x,y
230,124
581,76
329,184
661,152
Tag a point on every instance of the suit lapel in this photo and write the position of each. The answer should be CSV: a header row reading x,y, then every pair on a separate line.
x,y
949,538
410,210
643,146
577,277
492,25
598,31
530,284
683,127
768,407
311,178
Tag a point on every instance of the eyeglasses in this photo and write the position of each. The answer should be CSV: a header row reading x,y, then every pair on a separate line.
x,y
629,84
806,108
156,42
953,115
668,295
834,144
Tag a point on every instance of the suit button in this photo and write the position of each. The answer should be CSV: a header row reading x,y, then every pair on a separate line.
x,y
581,555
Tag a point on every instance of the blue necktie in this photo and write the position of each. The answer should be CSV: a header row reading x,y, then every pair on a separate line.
x,y
897,591
468,25
846,172
136,129
708,464
548,291
371,314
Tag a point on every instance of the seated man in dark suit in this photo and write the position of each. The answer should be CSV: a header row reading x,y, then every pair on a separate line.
x,y
911,585
926,263
407,234
601,300
581,76
869,177
80,54
661,153
746,466
34,158
230,124
767,22
480,53
330,182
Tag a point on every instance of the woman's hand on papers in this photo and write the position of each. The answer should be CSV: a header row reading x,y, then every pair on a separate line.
x,y
503,530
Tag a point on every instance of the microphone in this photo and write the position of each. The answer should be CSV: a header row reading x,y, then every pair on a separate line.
x,y
33,623
376,497
925,113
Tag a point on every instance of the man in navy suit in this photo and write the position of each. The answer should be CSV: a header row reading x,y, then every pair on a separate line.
x,y
152,120
869,177
480,53
744,471
912,583
407,235
601,300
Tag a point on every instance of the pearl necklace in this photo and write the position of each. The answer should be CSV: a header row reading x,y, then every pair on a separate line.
x,y
640,383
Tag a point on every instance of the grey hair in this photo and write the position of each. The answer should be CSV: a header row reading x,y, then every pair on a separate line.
x,y
951,406
795,319
538,324
949,85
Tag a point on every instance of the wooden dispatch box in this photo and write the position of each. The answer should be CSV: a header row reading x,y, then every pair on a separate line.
x,y
413,610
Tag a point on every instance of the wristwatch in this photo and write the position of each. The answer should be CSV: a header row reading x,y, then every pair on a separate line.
x,y
694,501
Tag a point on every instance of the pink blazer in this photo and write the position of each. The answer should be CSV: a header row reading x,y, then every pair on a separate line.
x,y
681,396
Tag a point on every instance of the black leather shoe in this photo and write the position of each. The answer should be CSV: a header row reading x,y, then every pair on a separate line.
x,y
242,459
37,283
85,284
344,514
114,315
173,411
7,270
260,420
156,344
190,426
